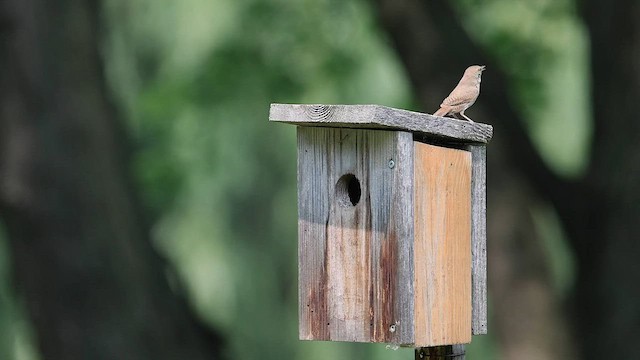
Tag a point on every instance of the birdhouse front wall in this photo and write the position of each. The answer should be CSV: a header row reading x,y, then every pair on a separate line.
x,y
355,235
384,238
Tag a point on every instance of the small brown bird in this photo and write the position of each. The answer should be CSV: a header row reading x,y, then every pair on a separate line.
x,y
464,95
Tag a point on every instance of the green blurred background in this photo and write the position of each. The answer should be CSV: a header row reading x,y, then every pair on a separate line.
x,y
193,80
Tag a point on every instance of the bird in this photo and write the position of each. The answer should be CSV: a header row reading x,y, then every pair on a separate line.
x,y
464,94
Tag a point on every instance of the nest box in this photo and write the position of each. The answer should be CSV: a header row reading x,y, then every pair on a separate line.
x,y
391,224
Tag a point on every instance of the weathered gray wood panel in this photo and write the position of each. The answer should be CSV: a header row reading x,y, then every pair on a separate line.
x,y
381,117
313,206
355,261
479,238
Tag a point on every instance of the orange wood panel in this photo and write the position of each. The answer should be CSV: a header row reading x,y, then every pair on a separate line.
x,y
442,257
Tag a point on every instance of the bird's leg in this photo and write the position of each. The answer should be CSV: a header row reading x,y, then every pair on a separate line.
x,y
465,116
455,116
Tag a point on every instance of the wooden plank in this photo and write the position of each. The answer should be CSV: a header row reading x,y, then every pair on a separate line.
x,y
442,245
479,239
381,117
402,213
313,212
355,252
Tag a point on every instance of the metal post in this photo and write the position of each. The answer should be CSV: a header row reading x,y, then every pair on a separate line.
x,y
446,352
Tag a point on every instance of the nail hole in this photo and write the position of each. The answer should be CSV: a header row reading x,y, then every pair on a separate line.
x,y
348,190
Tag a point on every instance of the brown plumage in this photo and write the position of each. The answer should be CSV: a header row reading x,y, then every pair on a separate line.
x,y
464,95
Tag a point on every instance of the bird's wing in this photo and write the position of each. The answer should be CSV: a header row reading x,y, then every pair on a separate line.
x,y
459,96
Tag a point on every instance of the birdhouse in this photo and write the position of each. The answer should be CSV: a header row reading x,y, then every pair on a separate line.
x,y
391,224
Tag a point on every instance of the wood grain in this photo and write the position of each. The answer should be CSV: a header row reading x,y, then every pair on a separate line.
x,y
355,261
442,188
381,117
479,239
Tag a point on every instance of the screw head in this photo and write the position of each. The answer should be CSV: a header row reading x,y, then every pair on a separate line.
x,y
391,164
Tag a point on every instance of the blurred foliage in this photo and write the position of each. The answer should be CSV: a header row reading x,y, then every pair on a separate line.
x,y
194,80
17,339
542,46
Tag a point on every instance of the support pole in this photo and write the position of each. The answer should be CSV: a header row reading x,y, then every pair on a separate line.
x,y
446,352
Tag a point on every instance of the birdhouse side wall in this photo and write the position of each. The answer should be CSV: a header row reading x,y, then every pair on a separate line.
x,y
442,245
355,212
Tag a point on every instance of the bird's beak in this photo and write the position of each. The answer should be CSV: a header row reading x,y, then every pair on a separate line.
x,y
482,68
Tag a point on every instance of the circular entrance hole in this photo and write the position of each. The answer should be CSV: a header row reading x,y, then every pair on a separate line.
x,y
348,190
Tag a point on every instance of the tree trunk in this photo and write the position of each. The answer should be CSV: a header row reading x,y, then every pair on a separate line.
x,y
606,234
93,285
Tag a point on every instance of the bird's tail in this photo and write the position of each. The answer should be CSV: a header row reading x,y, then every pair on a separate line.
x,y
441,112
